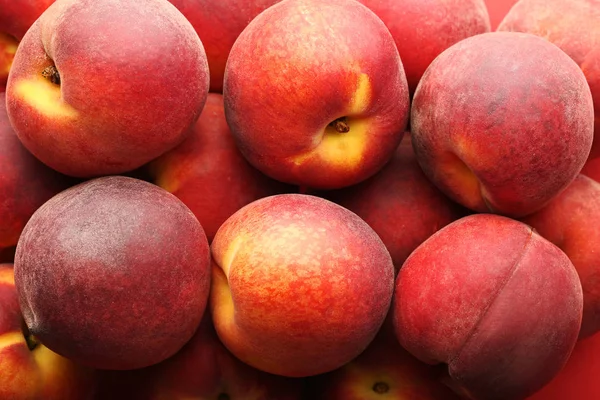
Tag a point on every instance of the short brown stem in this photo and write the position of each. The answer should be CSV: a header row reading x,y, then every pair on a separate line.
x,y
341,125
52,74
381,387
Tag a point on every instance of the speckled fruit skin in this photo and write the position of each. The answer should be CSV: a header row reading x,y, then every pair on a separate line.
x,y
113,273
571,222
209,174
573,26
423,29
25,183
300,285
130,79
401,205
219,23
29,370
298,67
502,122
385,370
497,10
493,300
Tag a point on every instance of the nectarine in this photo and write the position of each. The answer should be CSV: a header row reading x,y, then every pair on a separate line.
x,y
113,273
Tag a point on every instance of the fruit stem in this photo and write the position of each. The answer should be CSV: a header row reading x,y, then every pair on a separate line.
x,y
381,387
341,125
52,74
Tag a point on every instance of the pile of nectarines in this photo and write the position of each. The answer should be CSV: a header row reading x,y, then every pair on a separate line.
x,y
299,199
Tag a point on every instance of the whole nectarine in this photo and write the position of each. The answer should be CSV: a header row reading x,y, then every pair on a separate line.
x,y
315,93
101,87
300,285
502,122
493,300
113,273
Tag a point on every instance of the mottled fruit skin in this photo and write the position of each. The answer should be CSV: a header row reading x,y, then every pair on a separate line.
x,y
101,87
8,48
315,93
401,205
502,122
573,26
25,183
571,222
492,299
497,10
30,371
205,370
209,174
219,23
385,370
423,29
113,273
17,16
300,285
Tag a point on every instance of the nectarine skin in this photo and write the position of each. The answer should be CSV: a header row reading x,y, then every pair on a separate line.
x,y
399,203
8,48
209,174
17,16
573,26
29,370
423,29
300,285
219,23
113,273
101,87
25,183
502,122
571,222
315,93
497,10
385,370
492,299
205,369
579,378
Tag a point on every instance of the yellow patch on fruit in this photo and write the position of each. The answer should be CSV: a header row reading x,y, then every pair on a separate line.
x,y
347,148
339,149
362,95
53,366
463,180
167,182
7,61
344,149
8,48
230,253
11,338
7,277
223,308
44,96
